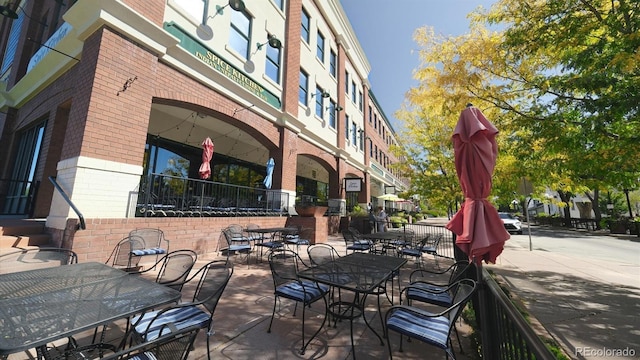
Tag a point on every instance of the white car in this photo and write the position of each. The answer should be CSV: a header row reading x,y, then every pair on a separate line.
x,y
511,223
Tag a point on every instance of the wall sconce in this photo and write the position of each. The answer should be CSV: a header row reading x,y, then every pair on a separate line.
x,y
273,42
205,31
8,12
338,108
324,94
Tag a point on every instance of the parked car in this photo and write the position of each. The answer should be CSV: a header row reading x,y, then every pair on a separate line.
x,y
511,223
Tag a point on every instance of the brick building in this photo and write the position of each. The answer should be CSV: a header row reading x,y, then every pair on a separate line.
x,y
111,98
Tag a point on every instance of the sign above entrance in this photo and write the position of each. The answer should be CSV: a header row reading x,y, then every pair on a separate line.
x,y
353,185
212,59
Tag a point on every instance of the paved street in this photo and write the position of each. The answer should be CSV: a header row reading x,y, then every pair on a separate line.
x,y
583,288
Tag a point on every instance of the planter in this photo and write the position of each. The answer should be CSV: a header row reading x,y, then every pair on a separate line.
x,y
311,211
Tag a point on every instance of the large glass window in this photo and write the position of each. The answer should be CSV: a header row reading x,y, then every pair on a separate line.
x,y
318,190
303,88
273,64
240,33
320,47
306,26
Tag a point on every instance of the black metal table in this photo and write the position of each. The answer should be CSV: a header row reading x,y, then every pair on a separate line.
x,y
44,305
276,236
361,273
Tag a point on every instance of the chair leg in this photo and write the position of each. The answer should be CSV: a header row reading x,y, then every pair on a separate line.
x,y
273,314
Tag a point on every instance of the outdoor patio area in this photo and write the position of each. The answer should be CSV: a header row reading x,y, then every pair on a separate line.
x,y
243,313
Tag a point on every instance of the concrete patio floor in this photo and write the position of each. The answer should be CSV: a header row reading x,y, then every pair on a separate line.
x,y
243,313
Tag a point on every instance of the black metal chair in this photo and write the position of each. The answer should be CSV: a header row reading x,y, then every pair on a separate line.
x,y
284,266
173,268
431,328
354,243
212,280
171,345
414,249
122,255
234,245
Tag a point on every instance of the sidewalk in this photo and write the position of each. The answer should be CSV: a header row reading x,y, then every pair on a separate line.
x,y
591,308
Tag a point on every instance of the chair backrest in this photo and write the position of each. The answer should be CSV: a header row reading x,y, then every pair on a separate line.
x,y
121,255
322,253
252,226
152,237
37,258
213,279
464,288
348,235
175,268
173,345
284,266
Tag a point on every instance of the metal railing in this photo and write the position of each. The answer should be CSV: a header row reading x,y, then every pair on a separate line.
x,y
17,197
165,195
507,335
445,247
82,225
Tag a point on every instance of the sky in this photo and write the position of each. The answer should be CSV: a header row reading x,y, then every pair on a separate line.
x,y
385,30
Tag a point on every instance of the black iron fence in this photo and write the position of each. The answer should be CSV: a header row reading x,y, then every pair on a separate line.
x,y
507,335
164,195
17,197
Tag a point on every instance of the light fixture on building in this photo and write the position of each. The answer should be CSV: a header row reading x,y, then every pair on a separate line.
x,y
205,31
8,12
272,41
323,94
5,11
337,108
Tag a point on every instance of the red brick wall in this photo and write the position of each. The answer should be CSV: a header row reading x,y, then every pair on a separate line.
x,y
200,234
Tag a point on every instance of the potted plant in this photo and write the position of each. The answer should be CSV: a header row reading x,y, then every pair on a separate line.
x,y
309,206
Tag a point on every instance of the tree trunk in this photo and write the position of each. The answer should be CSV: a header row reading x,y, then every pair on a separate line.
x,y
596,207
565,197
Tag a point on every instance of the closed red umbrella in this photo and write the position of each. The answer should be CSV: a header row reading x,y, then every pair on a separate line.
x,y
480,232
207,155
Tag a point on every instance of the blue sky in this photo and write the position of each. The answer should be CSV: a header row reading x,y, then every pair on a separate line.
x,y
385,30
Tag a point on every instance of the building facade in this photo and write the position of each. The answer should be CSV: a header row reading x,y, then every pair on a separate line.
x,y
100,96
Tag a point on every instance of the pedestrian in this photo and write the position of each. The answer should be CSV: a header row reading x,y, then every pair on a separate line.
x,y
372,221
381,219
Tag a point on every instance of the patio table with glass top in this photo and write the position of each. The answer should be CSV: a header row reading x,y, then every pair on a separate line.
x,y
360,273
41,306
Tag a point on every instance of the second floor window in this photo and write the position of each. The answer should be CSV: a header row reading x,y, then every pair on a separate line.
x,y
306,26
303,88
360,100
272,68
320,47
240,31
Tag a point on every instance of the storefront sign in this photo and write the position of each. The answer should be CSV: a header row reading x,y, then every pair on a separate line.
x,y
210,58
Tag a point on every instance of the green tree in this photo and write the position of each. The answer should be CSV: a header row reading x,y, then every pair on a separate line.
x,y
560,80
